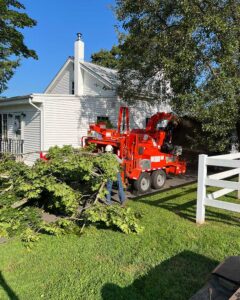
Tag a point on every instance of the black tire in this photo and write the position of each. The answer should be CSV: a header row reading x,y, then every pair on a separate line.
x,y
158,179
143,183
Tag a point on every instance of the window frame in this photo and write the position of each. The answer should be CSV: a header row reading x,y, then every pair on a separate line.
x,y
102,119
147,120
73,88
18,133
4,126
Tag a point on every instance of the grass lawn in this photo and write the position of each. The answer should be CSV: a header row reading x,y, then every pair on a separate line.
x,y
171,259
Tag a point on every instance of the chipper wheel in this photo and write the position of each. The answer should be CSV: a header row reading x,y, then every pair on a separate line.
x,y
143,183
158,179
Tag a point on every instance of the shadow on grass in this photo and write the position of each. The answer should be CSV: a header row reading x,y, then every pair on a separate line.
x,y
171,197
7,288
183,205
176,278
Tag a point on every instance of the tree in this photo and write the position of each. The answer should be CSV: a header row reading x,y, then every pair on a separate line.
x,y
12,46
197,44
105,58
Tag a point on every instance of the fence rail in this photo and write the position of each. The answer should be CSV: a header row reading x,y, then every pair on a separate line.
x,y
13,146
216,180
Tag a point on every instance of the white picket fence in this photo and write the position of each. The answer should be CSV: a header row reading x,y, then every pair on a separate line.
x,y
216,180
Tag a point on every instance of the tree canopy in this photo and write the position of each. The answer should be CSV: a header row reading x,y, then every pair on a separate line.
x,y
12,46
197,45
107,58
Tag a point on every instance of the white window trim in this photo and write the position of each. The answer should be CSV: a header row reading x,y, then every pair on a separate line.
x,y
2,134
22,120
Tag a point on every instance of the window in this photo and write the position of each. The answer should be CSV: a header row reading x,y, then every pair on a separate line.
x,y
147,119
3,126
73,92
106,120
18,126
102,119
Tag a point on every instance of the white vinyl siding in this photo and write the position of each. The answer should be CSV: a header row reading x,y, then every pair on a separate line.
x,y
63,84
94,87
93,107
61,121
67,119
32,135
140,110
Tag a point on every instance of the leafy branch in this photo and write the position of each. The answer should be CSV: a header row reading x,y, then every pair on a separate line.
x,y
71,185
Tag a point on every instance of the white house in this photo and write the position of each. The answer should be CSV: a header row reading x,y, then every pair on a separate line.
x,y
80,93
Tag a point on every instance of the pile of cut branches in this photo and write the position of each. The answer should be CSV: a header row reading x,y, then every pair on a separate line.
x,y
70,184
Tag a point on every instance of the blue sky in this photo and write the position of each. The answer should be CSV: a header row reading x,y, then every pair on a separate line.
x,y
54,36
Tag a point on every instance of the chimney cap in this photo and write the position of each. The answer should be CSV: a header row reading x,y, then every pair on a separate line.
x,y
79,36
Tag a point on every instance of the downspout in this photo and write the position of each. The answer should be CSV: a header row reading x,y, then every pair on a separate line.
x,y
41,120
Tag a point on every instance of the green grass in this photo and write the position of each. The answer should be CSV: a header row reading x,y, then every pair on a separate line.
x,y
171,259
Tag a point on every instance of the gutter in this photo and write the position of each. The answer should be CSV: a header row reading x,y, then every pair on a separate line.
x,y
13,102
42,122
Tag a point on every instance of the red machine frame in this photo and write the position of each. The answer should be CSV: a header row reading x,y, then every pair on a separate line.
x,y
143,151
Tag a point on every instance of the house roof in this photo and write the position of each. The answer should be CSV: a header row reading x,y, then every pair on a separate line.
x,y
18,100
109,75
106,75
148,90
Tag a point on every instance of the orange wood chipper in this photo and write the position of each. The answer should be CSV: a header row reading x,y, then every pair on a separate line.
x,y
147,154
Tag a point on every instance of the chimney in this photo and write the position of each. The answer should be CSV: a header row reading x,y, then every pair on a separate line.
x,y
78,73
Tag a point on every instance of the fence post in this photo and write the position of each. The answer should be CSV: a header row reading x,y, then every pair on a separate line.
x,y
201,190
238,192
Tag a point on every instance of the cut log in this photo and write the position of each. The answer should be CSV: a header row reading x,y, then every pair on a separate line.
x,y
6,190
3,176
19,203
99,192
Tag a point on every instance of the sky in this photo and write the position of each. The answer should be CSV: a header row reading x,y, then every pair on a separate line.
x,y
53,38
